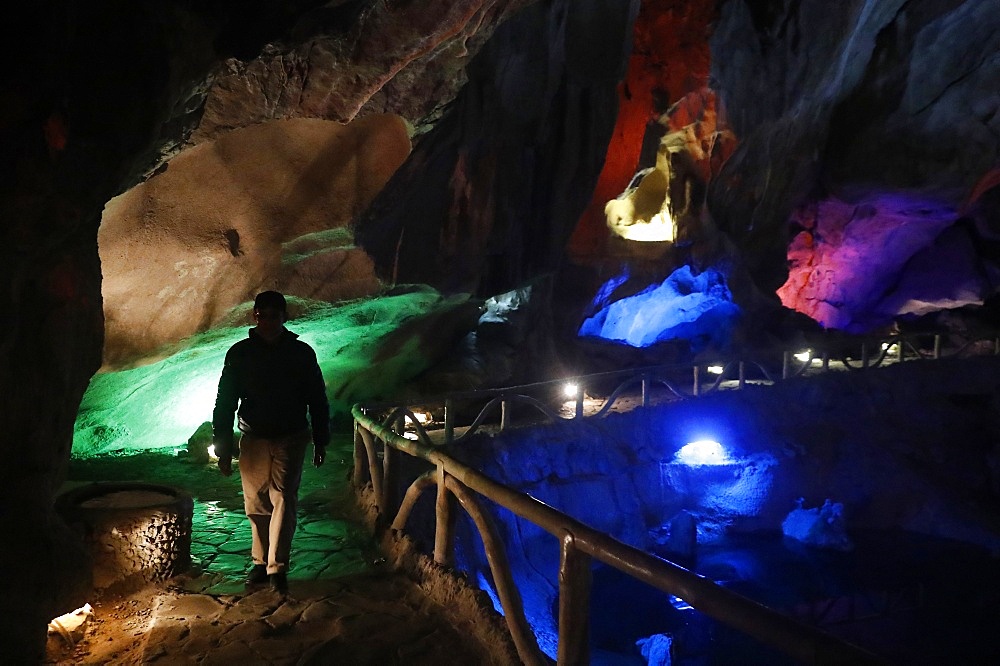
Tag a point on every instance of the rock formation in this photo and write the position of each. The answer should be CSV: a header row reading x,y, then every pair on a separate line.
x,y
513,108
263,207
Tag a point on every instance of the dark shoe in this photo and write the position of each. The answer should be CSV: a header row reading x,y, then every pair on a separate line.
x,y
279,583
257,575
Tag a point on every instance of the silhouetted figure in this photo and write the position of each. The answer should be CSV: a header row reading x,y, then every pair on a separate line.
x,y
274,379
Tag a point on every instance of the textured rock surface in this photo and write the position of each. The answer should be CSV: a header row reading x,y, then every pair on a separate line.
x,y
264,207
850,100
859,265
489,197
828,99
912,447
669,59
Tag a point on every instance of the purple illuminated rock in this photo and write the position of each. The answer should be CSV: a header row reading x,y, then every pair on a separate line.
x,y
857,265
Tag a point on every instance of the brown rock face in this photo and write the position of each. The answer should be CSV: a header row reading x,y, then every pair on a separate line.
x,y
264,207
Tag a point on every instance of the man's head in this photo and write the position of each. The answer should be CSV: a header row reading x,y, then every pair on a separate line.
x,y
270,312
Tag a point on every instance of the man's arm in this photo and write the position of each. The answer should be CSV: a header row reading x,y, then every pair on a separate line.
x,y
226,400
319,410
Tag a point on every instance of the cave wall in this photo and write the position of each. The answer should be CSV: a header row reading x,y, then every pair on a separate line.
x,y
669,60
262,207
490,196
826,99
64,157
850,100
111,91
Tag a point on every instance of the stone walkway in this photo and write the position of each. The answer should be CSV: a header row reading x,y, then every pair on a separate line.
x,y
360,619
345,604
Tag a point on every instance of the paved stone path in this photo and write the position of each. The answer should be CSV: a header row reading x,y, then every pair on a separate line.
x,y
345,604
360,619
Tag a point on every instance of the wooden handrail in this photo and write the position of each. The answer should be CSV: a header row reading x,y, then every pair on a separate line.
x,y
801,641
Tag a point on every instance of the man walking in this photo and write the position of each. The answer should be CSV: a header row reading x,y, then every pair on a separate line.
x,y
274,378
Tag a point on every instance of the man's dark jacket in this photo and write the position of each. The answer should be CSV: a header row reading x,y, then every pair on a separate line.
x,y
274,383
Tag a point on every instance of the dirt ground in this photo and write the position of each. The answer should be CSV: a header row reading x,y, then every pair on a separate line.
x,y
114,635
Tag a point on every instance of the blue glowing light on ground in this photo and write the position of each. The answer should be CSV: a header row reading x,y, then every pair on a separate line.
x,y
698,308
703,452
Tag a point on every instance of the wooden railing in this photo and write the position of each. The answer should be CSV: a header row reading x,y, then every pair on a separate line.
x,y
384,432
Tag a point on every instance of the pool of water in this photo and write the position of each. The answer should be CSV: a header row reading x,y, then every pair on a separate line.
x,y
909,598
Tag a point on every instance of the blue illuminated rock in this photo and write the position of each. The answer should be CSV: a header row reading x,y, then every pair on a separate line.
x,y
697,308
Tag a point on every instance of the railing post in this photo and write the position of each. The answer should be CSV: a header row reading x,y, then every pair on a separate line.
x,y
504,416
937,346
449,421
359,465
574,603
743,376
826,360
786,361
443,528
389,480
374,472
579,401
696,388
900,351
390,475
645,389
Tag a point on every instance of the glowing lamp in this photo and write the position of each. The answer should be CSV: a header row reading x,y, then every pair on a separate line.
x,y
422,418
570,389
715,369
702,452
804,356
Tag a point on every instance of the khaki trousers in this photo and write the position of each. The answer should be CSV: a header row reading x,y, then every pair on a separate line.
x,y
270,471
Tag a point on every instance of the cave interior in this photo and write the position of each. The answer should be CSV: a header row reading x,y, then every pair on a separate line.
x,y
471,194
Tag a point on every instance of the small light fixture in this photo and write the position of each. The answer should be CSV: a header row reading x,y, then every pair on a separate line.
x,y
570,389
804,356
659,228
423,418
715,369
